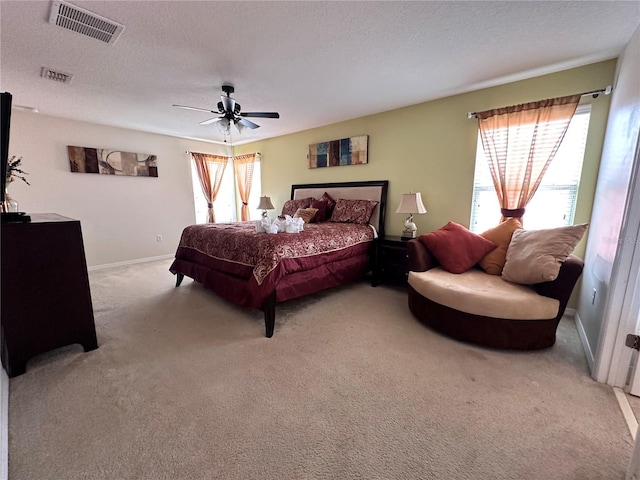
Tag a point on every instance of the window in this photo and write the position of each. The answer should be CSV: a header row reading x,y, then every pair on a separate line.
x,y
554,204
227,204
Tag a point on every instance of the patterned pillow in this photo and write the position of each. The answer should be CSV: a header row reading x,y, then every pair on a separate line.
x,y
353,211
331,203
321,214
306,214
290,207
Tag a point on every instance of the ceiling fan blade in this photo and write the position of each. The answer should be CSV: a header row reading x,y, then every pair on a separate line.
x,y
211,120
195,108
248,123
261,114
228,103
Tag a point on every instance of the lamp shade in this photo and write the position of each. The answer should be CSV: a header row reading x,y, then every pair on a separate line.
x,y
265,204
411,203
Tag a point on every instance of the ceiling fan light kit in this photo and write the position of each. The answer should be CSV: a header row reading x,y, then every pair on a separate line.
x,y
223,125
231,113
240,126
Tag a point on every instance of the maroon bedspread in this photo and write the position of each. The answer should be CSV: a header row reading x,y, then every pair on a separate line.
x,y
264,259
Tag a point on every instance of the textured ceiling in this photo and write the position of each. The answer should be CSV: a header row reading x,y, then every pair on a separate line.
x,y
315,63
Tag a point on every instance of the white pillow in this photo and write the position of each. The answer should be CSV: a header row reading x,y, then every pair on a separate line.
x,y
535,256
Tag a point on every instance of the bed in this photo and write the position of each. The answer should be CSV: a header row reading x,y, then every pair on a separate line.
x,y
259,270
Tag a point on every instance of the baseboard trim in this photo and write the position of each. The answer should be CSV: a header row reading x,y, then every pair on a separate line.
x,y
585,341
4,425
130,262
627,412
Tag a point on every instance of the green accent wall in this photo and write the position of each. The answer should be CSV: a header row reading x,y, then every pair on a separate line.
x,y
431,147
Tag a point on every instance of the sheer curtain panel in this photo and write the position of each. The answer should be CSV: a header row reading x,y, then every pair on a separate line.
x,y
210,171
243,166
519,143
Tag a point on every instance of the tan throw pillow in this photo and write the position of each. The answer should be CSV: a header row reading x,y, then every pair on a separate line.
x,y
291,206
493,262
535,256
306,214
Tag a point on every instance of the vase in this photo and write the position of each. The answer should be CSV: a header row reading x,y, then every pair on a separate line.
x,y
10,204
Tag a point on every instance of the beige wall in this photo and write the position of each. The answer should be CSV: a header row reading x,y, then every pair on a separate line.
x,y
120,216
430,148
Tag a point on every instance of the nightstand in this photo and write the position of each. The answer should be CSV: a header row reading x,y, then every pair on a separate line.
x,y
390,261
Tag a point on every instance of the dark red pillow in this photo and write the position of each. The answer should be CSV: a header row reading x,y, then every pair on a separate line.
x,y
331,203
456,248
321,214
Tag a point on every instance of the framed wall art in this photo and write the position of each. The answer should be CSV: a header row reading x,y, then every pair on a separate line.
x,y
335,153
112,162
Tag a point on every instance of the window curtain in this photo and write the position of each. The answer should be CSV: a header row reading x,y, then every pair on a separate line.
x,y
210,170
243,167
519,143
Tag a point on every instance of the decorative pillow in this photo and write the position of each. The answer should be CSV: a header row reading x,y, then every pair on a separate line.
x,y
321,214
331,203
353,211
493,262
306,214
535,256
456,248
290,207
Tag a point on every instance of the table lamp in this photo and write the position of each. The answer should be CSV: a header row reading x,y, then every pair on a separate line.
x,y
410,203
264,205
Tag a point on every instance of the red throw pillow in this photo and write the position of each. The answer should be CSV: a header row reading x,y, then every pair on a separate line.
x,y
321,214
456,248
330,202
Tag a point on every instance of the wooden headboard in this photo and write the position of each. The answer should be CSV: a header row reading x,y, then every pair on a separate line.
x,y
369,190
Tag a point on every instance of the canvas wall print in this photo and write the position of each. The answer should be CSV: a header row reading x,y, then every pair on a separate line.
x,y
112,162
347,151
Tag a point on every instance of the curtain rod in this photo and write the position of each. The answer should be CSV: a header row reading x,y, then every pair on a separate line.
x,y
188,152
594,94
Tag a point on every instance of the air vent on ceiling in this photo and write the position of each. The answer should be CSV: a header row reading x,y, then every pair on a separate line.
x,y
79,20
50,74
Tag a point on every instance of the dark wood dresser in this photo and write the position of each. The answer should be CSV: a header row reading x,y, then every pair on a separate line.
x,y
46,300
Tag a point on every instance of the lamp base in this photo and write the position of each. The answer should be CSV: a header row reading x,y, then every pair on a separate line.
x,y
409,234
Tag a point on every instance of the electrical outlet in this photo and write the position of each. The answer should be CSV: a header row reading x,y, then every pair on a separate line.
x,y
158,238
593,297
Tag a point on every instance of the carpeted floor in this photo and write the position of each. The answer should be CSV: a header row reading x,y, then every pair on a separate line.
x,y
186,386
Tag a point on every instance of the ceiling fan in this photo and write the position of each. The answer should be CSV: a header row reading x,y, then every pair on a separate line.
x,y
231,113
